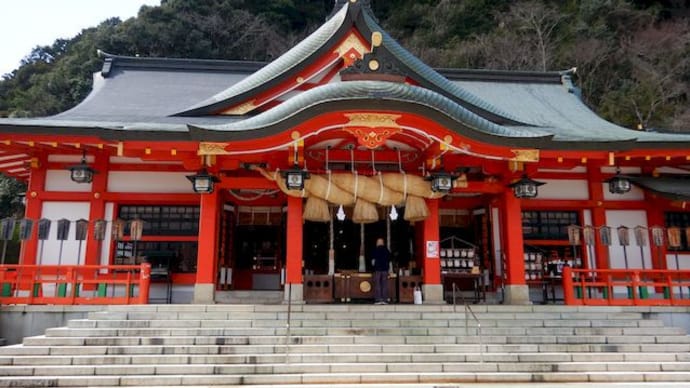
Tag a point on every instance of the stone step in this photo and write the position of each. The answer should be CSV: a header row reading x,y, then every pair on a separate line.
x,y
489,330
361,315
296,357
592,350
63,336
343,378
339,367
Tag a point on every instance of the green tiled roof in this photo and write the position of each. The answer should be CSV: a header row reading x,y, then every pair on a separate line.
x,y
378,91
282,64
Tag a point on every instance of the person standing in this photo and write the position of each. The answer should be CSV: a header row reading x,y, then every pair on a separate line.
x,y
381,258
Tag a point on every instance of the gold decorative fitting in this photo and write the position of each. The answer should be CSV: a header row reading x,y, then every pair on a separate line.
x,y
372,120
349,43
208,148
300,80
525,155
96,195
295,135
33,194
612,159
448,139
241,109
374,65
376,38
34,163
372,129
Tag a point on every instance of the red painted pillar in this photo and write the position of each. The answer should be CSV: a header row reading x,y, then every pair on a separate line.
x,y
294,241
34,209
97,208
655,217
431,264
513,244
516,290
596,195
204,289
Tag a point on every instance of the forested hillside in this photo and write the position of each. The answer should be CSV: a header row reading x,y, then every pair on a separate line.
x,y
632,57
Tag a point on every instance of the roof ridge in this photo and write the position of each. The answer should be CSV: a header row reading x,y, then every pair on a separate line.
x,y
112,60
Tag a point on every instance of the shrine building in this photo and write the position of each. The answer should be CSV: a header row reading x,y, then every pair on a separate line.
x,y
239,176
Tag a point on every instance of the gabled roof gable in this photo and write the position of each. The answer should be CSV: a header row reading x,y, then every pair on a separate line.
x,y
351,25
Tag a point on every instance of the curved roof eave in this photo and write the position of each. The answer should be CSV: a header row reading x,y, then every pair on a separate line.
x,y
310,47
367,95
433,78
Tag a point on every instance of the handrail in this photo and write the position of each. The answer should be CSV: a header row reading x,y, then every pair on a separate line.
x,y
74,284
474,316
287,328
651,287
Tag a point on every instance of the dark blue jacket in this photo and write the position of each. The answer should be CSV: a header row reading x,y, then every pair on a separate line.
x,y
382,258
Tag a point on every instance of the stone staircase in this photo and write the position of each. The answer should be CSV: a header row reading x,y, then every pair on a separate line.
x,y
173,345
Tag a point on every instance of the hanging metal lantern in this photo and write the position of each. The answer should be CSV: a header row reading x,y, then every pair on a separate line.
x,y
295,177
203,182
81,173
619,184
525,187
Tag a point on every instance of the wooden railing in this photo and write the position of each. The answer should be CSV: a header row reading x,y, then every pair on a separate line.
x,y
633,287
75,285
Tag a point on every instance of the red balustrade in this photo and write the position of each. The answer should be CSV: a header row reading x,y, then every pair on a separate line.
x,y
632,287
75,284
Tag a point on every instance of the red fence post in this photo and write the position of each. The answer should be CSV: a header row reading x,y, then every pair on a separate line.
x,y
144,283
568,297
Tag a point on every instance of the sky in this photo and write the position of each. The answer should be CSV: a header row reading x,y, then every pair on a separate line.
x,y
25,24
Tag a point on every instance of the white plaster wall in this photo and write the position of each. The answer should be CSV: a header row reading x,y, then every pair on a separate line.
x,y
683,261
563,189
49,250
148,182
69,158
631,219
59,180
